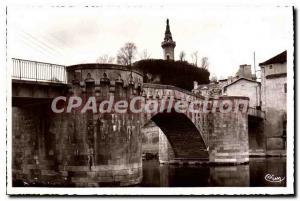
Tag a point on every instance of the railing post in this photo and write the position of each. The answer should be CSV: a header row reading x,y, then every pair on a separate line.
x,y
51,72
65,74
20,69
36,72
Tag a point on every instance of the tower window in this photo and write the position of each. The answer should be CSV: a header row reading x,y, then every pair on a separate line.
x,y
168,57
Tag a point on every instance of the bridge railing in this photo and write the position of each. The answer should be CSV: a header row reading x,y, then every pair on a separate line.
x,y
38,71
257,113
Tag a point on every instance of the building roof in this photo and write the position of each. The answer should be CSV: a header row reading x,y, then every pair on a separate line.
x,y
242,78
280,58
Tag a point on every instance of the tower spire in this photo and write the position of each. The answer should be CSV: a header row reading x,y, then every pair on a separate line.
x,y
168,44
168,34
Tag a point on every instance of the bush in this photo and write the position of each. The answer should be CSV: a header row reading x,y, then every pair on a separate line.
x,y
177,73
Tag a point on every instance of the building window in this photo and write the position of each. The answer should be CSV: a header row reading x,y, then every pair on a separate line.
x,y
270,67
285,88
168,57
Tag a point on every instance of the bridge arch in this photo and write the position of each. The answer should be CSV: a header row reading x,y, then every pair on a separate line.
x,y
182,135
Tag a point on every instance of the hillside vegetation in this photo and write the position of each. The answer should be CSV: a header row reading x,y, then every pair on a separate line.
x,y
177,73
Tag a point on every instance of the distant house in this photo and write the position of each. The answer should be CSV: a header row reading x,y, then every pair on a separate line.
x,y
273,96
244,87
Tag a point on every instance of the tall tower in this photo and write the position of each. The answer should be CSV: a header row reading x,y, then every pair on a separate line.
x,y
168,44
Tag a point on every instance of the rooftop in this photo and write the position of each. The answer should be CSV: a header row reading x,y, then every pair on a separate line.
x,y
280,58
242,78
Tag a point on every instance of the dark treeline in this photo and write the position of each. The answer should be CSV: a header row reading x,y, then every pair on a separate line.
x,y
177,73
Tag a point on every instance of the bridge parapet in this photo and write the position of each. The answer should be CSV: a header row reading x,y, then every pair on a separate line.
x,y
103,73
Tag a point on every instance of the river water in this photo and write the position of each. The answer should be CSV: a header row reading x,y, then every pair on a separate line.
x,y
252,174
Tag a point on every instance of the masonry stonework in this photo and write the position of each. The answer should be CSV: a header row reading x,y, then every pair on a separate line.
x,y
105,149
229,139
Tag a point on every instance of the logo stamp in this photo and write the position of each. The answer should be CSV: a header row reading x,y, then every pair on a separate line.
x,y
274,179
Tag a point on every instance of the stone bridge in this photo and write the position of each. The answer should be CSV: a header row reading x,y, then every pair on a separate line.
x,y
104,149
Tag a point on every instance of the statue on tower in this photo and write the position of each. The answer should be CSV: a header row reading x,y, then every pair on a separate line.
x,y
168,44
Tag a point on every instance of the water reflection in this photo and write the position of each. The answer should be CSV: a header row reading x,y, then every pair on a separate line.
x,y
252,174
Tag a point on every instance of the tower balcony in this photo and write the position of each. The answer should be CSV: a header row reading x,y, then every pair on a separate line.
x,y
168,43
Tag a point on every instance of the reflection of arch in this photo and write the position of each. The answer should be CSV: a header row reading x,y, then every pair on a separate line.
x,y
182,134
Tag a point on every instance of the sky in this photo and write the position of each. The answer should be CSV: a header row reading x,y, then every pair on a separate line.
x,y
228,36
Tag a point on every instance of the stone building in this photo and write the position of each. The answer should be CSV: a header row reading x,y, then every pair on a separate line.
x,y
168,44
273,96
245,87
216,88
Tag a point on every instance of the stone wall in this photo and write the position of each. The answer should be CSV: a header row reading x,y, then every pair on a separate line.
x,y
56,150
107,146
35,150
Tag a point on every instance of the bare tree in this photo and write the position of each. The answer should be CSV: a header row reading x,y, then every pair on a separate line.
x,y
127,54
145,54
105,59
194,57
182,56
204,63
